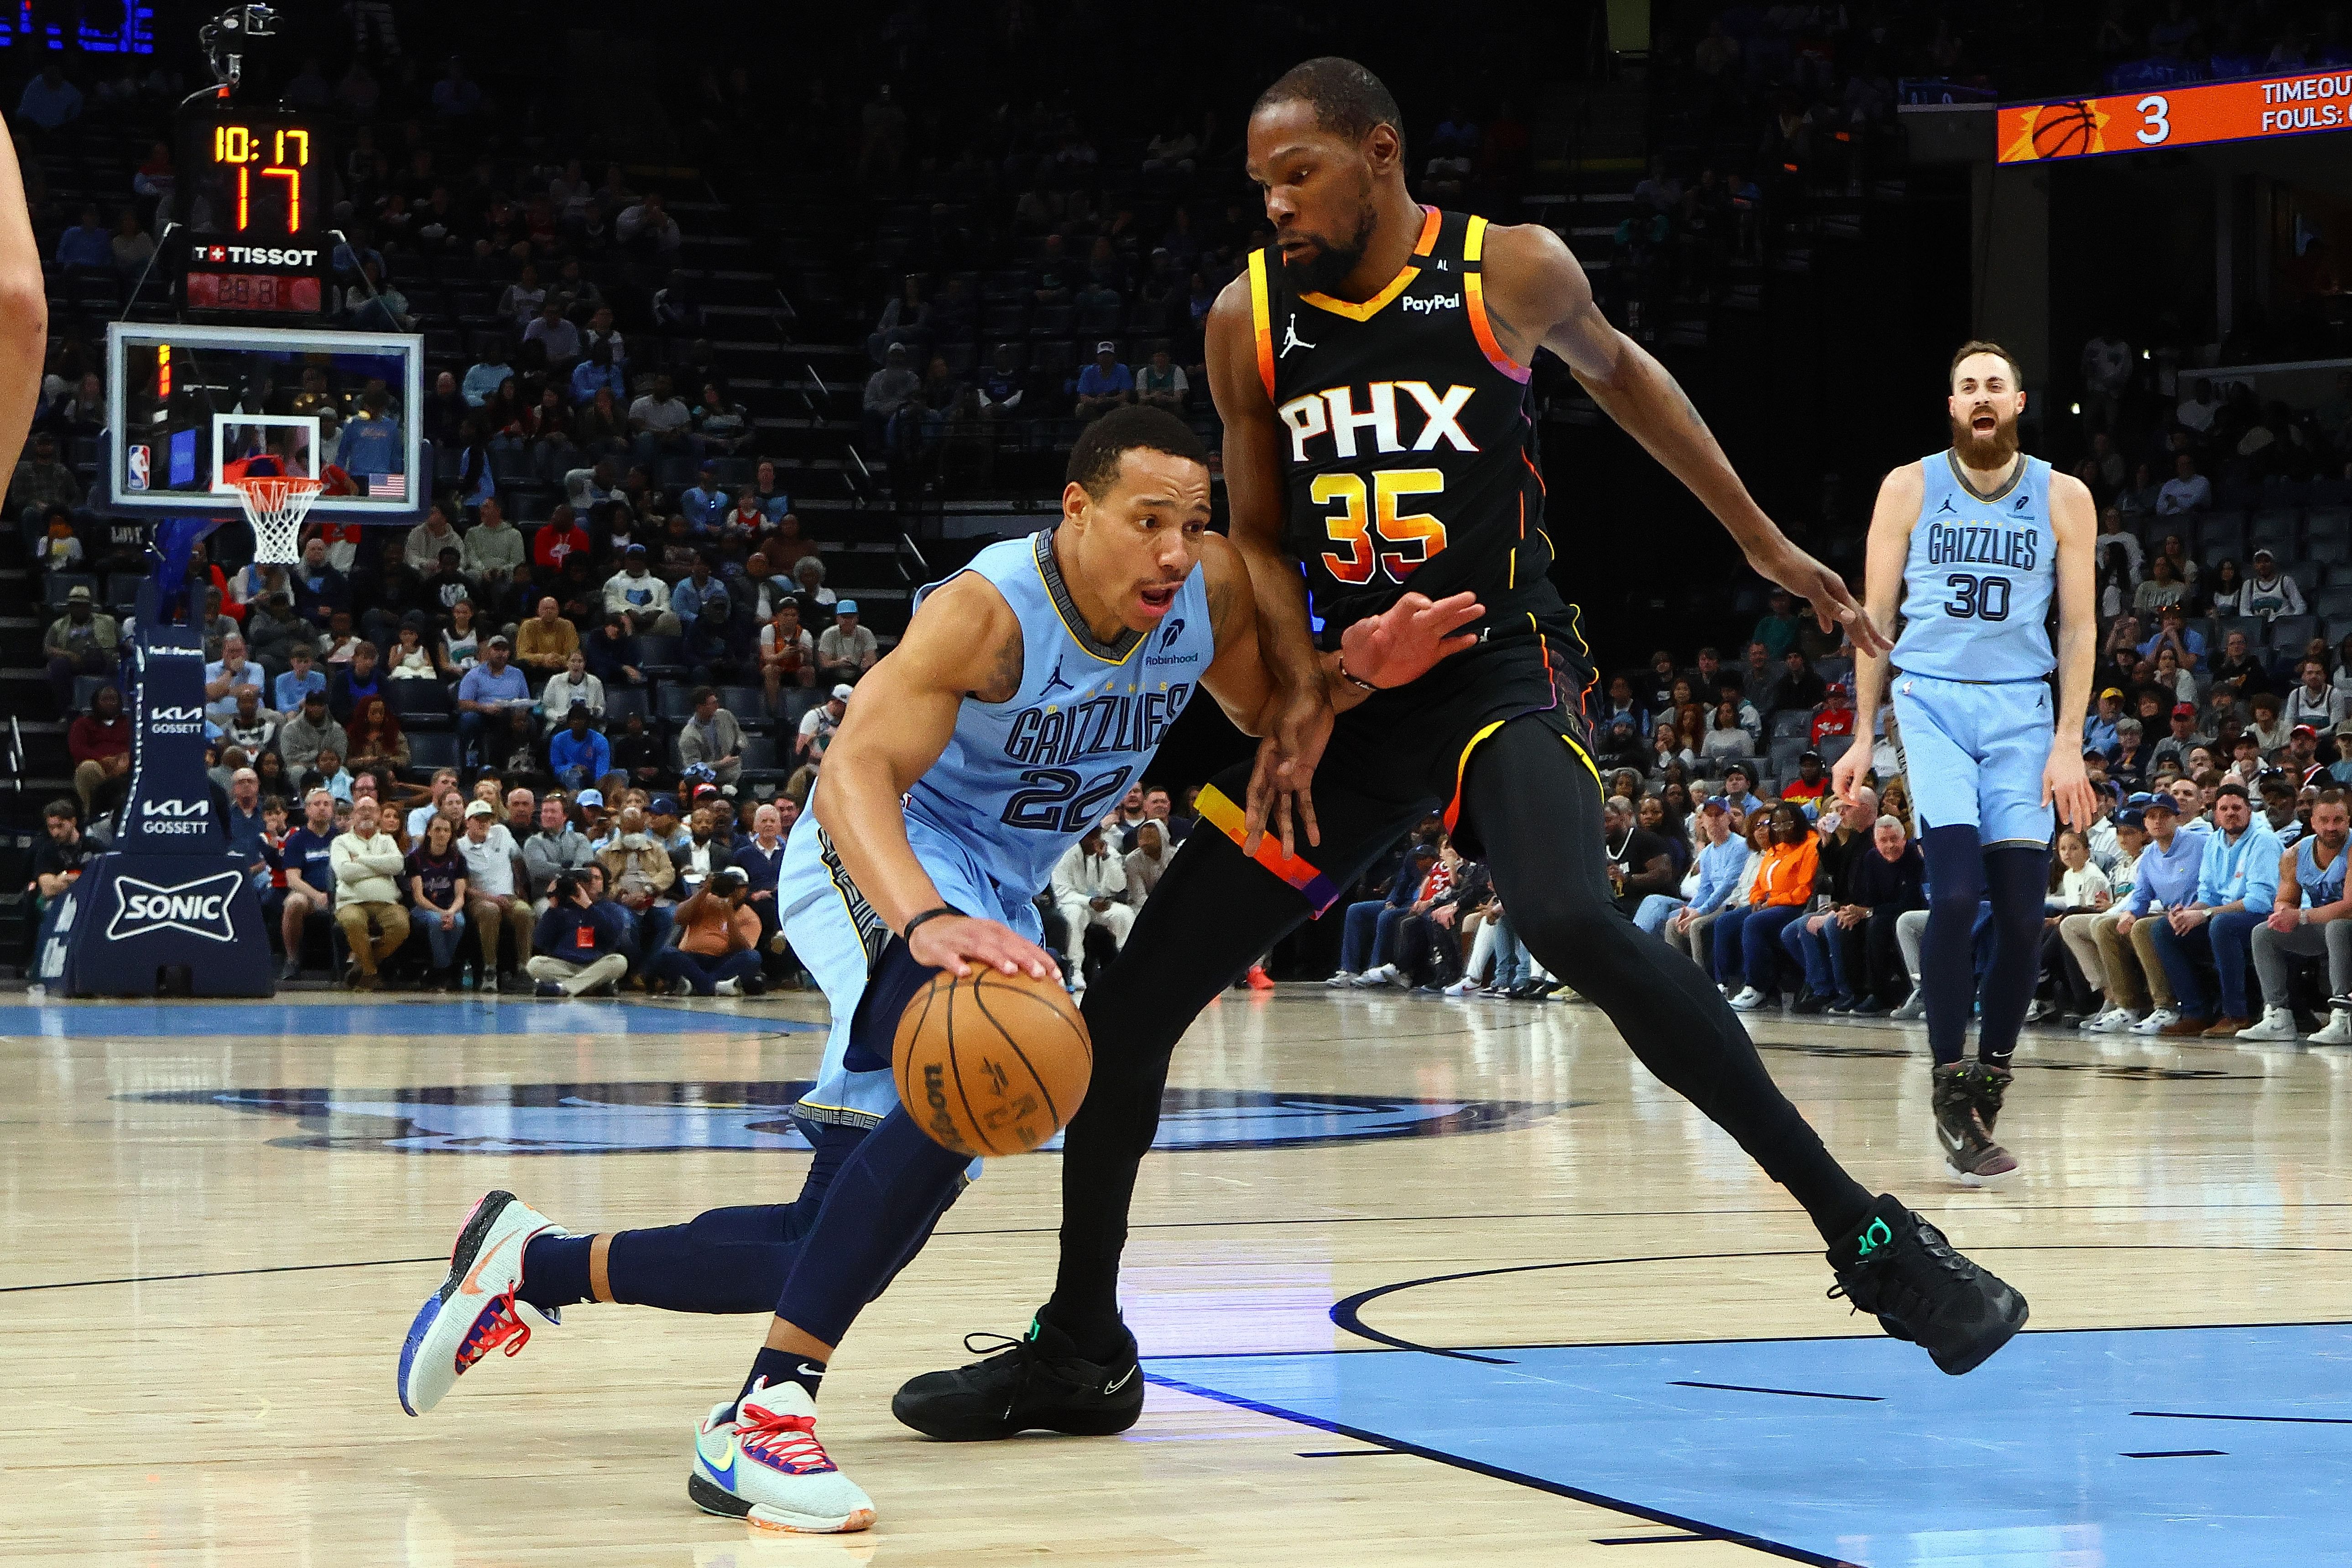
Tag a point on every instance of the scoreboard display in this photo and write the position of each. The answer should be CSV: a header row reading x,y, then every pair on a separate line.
x,y
2187,114
258,188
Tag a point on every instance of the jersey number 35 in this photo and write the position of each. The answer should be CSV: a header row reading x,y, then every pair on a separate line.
x,y
1417,535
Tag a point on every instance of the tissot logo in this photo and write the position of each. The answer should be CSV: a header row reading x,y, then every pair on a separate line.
x,y
267,256
199,908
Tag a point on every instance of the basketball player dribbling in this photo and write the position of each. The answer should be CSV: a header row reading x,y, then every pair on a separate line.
x,y
1968,547
1029,690
1371,373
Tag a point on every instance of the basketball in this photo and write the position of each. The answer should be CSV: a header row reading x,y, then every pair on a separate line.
x,y
992,1064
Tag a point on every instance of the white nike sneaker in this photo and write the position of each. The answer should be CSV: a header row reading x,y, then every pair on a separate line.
x,y
1747,1001
2278,1024
1340,977
1913,1008
1461,987
2114,1021
1378,974
2338,1030
2158,1019
765,1466
475,1311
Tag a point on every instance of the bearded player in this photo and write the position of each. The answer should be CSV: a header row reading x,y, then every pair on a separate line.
x,y
1030,689
1968,546
1371,373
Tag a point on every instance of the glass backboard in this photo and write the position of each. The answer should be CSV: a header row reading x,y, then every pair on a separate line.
x,y
190,408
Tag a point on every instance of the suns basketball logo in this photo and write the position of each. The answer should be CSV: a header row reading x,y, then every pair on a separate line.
x,y
2073,129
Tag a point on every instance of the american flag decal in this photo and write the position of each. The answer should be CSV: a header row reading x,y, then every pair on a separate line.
x,y
391,487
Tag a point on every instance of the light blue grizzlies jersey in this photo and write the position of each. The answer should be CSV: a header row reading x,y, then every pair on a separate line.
x,y
1977,585
1022,781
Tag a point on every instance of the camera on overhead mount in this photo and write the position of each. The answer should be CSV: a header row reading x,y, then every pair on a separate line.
x,y
226,37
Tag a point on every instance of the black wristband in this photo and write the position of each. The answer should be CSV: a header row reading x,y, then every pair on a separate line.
x,y
1356,680
930,914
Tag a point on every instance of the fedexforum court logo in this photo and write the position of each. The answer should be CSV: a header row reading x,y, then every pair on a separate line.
x,y
199,908
664,1118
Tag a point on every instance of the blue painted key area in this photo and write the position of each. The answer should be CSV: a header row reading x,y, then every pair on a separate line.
x,y
2093,1450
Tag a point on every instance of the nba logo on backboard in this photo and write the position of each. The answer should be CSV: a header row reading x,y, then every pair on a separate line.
x,y
134,473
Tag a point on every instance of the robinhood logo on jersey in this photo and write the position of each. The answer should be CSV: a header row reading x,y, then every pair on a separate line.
x,y
175,720
199,908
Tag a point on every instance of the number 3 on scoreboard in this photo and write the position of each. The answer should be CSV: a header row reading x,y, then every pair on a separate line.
x,y
2156,112
1357,526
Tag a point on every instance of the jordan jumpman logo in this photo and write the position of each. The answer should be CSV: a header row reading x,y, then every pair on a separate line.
x,y
1290,338
1054,680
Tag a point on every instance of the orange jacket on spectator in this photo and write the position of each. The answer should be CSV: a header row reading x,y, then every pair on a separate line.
x,y
1787,875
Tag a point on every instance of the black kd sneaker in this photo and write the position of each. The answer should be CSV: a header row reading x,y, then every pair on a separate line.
x,y
1039,1383
1898,1267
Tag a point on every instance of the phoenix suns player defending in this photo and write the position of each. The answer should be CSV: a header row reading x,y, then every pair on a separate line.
x,y
1031,688
1969,546
1371,372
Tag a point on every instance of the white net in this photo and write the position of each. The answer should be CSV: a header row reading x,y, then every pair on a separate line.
x,y
276,506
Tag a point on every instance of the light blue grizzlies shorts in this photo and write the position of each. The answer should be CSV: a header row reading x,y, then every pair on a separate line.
x,y
841,941
1973,754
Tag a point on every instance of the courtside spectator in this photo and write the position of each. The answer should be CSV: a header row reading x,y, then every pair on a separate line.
x,y
580,944
367,865
716,951
493,903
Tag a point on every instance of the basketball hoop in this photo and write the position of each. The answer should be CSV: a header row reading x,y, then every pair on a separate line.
x,y
275,505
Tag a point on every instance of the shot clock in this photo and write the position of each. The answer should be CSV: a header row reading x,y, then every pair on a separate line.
x,y
260,190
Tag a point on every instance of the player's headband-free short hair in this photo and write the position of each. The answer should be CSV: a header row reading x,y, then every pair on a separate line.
x,y
1094,458
1347,99
1986,346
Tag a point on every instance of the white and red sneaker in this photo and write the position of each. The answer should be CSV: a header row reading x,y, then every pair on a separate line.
x,y
765,1466
475,1311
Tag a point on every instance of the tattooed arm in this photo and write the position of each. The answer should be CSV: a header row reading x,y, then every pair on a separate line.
x,y
1537,296
900,719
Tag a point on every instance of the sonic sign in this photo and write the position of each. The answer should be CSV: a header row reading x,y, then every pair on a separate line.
x,y
2185,115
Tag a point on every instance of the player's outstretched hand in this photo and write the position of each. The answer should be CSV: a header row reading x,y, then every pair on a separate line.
x,y
1403,642
1280,797
1781,562
1845,774
2063,781
959,943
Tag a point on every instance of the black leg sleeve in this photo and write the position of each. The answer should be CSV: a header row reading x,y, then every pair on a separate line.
x,y
1537,811
1211,916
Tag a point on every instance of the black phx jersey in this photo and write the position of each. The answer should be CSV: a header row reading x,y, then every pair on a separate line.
x,y
1409,448
1409,441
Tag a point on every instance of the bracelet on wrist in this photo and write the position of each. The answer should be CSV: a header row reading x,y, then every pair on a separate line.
x,y
907,934
1351,678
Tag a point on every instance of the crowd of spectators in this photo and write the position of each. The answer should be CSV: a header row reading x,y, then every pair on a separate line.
x,y
2212,870
564,892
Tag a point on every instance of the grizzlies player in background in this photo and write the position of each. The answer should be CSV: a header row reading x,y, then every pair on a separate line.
x,y
1971,545
1029,692
1371,373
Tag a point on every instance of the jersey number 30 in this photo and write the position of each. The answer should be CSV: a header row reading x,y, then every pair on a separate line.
x,y
1977,598
1355,526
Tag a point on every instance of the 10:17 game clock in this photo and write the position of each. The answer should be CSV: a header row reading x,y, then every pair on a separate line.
x,y
257,188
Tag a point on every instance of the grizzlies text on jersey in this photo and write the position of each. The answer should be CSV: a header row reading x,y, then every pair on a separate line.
x,y
1978,581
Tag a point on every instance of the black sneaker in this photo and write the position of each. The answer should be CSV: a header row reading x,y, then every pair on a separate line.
x,y
1899,1267
1988,1086
1037,1384
1970,1152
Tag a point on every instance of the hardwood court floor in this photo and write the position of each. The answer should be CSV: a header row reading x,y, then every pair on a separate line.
x,y
220,1218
